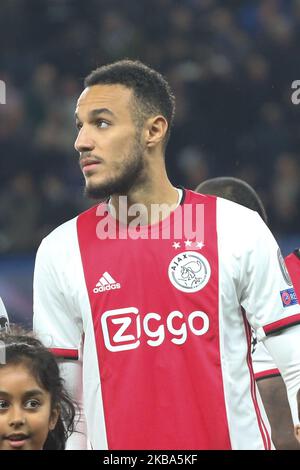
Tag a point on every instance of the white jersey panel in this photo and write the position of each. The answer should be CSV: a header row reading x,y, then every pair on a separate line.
x,y
57,318
92,393
63,319
239,385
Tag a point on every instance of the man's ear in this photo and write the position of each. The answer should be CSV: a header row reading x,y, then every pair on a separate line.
x,y
155,130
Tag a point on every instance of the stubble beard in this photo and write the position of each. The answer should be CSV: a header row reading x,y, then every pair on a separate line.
x,y
129,176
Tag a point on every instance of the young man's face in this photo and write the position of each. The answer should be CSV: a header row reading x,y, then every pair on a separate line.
x,y
111,151
25,410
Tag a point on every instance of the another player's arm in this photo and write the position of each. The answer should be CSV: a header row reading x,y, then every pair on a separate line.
x,y
297,427
54,323
274,396
284,349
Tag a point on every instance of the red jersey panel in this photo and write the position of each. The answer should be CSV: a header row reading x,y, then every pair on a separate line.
x,y
157,341
292,262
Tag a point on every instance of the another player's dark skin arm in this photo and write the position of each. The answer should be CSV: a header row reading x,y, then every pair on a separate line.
x,y
274,397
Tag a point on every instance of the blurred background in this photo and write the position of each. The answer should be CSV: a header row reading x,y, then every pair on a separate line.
x,y
231,65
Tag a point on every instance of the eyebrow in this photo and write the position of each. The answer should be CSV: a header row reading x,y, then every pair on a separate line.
x,y
27,394
95,112
31,393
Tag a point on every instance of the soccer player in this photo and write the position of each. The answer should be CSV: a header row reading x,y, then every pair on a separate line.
x,y
270,383
150,295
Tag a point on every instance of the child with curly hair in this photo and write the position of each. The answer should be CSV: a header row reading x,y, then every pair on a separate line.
x,y
36,412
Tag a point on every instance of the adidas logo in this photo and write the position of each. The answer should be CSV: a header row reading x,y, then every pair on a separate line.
x,y
106,282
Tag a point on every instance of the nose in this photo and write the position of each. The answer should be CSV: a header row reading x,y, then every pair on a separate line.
x,y
16,417
84,142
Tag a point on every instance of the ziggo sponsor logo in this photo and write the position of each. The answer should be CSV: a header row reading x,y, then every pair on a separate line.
x,y
122,327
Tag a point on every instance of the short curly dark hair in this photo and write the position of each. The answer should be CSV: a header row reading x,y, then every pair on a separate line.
x,y
152,93
23,348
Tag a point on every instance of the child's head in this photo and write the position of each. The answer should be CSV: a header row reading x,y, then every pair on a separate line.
x,y
35,410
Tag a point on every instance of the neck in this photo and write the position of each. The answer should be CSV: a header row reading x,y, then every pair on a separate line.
x,y
151,201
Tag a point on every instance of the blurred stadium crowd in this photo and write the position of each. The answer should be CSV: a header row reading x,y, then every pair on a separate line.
x,y
231,68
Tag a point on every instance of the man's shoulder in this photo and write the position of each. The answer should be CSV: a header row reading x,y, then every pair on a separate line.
x,y
235,209
225,208
63,232
192,197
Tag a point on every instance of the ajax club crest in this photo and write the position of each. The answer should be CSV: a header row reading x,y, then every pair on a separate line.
x,y
189,271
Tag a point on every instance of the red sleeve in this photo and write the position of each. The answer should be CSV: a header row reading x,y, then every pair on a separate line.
x,y
266,374
292,262
65,353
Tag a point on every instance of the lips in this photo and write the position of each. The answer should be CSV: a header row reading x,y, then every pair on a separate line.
x,y
17,437
17,441
88,162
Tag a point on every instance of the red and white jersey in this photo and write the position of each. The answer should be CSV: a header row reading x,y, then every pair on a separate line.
x,y
163,325
263,363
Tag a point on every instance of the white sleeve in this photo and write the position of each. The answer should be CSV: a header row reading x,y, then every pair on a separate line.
x,y
271,306
4,322
268,297
54,320
266,291
58,326
71,372
285,350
